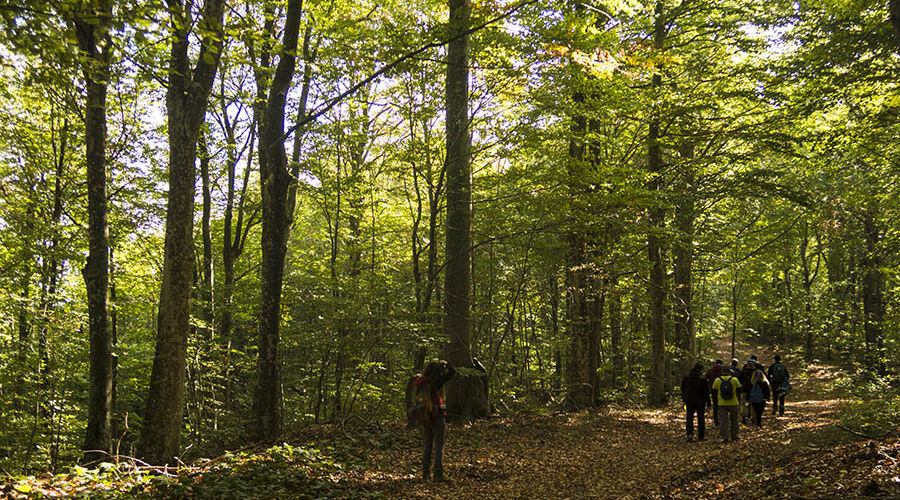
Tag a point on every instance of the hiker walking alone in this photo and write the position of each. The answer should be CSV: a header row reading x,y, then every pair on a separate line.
x,y
695,394
780,378
430,389
711,376
726,388
758,395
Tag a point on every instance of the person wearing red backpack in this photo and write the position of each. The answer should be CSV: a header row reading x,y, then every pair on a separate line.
x,y
430,389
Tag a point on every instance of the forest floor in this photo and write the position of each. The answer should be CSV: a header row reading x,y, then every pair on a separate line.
x,y
614,452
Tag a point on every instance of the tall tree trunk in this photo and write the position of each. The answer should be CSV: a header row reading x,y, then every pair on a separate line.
x,y
895,20
206,272
276,183
656,394
873,292
51,274
807,286
92,33
234,237
186,101
465,393
685,339
615,330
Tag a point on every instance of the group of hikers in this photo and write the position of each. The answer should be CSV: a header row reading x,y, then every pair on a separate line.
x,y
736,395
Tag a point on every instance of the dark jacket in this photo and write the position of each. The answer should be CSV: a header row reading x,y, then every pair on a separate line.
x,y
711,375
694,391
744,377
772,372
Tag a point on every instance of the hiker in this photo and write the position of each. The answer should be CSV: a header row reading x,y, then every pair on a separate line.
x,y
711,375
695,394
745,375
758,395
726,388
780,379
734,370
430,387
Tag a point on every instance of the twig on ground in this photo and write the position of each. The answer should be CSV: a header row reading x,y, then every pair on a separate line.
x,y
857,433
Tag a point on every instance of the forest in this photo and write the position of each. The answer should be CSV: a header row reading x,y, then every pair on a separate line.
x,y
237,224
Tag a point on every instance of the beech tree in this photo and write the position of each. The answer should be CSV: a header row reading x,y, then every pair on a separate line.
x,y
187,96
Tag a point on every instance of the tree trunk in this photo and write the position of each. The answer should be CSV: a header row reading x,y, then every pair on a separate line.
x,y
206,273
807,292
186,101
656,394
685,339
92,33
895,20
234,237
873,293
276,183
466,397
615,330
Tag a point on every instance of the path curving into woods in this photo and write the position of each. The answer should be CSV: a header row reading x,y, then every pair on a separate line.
x,y
620,452
614,452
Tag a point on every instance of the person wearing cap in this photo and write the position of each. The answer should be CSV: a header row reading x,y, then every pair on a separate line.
x,y
734,370
779,376
714,372
728,408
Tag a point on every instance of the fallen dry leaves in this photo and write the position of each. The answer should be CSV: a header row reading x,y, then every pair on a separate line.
x,y
619,452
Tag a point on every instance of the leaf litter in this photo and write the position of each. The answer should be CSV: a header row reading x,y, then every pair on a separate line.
x,y
615,452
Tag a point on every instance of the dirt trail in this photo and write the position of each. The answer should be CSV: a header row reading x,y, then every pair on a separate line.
x,y
616,453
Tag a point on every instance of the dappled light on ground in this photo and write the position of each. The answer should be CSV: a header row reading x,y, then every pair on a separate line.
x,y
619,451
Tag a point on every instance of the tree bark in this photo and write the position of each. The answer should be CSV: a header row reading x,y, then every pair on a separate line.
x,y
92,33
685,339
276,183
656,394
873,293
186,101
233,239
895,21
465,393
615,330
206,273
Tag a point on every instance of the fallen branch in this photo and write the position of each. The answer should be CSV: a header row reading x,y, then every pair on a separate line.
x,y
857,433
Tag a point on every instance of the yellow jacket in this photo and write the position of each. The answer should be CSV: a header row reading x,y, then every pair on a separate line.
x,y
735,383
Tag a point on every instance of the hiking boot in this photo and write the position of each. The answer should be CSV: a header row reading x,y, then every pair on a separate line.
x,y
689,438
440,478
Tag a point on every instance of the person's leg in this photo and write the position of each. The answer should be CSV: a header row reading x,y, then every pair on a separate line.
x,y
735,422
715,409
440,433
757,413
781,402
775,394
724,423
689,421
701,423
426,456
742,400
